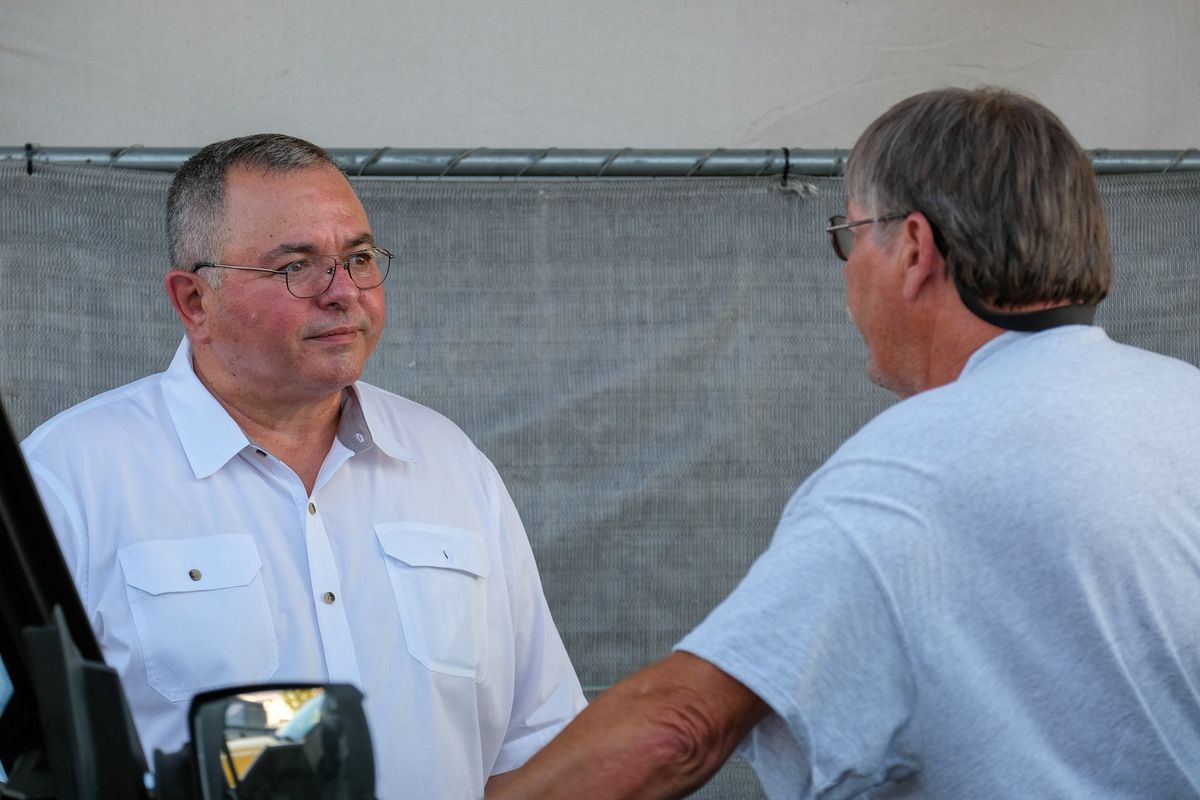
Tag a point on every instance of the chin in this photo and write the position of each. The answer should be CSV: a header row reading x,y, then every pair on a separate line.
x,y
337,377
889,381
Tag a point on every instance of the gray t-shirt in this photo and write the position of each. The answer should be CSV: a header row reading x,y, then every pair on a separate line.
x,y
992,590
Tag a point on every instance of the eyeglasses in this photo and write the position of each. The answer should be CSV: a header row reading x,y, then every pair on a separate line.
x,y
843,238
312,277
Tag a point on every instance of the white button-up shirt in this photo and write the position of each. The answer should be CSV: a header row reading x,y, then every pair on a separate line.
x,y
203,562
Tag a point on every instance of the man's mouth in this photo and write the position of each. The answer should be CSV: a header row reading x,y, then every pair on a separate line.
x,y
339,334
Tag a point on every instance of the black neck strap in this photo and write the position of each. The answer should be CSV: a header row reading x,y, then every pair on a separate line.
x,y
1074,314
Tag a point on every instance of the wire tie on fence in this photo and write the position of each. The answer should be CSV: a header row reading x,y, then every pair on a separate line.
x,y
116,156
1179,159
536,160
767,163
608,162
699,165
30,150
787,165
371,159
458,159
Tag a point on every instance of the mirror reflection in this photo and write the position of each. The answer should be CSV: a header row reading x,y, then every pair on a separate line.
x,y
276,721
284,743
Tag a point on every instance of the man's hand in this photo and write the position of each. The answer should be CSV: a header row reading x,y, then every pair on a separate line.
x,y
659,733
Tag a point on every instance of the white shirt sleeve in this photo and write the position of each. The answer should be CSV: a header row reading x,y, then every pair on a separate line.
x,y
547,694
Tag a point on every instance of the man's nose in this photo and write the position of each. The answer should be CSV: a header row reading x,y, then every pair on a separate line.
x,y
341,286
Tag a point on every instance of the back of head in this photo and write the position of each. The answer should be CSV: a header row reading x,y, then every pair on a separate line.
x,y
1011,196
195,202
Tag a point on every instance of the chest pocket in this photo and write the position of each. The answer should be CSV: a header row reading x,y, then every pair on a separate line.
x,y
201,614
439,578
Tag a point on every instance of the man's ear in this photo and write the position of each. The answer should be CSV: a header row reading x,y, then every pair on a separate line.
x,y
190,295
924,266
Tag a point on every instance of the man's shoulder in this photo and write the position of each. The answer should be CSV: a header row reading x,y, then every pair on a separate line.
x,y
413,425
116,412
399,406
1019,394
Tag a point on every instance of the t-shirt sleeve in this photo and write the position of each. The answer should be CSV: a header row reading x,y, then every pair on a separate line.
x,y
811,631
547,694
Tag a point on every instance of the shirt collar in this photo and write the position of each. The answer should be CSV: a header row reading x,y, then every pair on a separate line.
x,y
366,414
210,437
208,434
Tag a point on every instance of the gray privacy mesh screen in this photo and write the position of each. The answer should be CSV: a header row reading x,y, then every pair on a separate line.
x,y
653,365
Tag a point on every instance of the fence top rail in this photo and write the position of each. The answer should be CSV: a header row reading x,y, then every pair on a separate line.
x,y
483,162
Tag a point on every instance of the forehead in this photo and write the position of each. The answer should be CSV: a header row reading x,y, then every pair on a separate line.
x,y
306,204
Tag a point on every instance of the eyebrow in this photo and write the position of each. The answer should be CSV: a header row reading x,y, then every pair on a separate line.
x,y
304,248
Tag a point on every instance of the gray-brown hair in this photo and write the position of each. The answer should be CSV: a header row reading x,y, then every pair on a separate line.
x,y
1010,194
196,199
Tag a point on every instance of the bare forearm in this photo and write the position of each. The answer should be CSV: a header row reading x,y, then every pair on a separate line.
x,y
659,733
497,782
619,747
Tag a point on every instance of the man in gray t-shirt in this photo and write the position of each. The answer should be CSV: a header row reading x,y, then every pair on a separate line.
x,y
993,588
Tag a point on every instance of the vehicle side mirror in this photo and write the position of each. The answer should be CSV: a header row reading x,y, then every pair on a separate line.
x,y
307,742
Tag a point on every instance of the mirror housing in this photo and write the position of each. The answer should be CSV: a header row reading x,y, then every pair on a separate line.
x,y
296,741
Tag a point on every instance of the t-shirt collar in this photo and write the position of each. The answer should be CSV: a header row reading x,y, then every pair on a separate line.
x,y
1007,340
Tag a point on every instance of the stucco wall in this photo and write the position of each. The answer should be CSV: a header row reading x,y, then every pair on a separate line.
x,y
579,73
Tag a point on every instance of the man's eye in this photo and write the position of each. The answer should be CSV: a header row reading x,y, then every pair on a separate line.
x,y
296,267
362,259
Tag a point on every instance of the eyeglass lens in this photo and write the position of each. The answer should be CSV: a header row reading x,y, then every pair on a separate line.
x,y
313,276
841,238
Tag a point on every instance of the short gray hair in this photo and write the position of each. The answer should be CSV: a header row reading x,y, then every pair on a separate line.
x,y
196,199
1011,195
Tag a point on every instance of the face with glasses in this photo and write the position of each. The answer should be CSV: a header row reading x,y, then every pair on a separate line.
x,y
300,303
313,275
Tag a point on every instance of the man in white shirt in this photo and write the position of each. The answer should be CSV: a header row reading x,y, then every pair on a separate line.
x,y
256,513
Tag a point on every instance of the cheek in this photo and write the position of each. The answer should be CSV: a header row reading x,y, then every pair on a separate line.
x,y
853,277
375,305
254,328
241,324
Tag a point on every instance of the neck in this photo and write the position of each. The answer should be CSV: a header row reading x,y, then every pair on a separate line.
x,y
1035,317
948,359
962,335
949,341
299,432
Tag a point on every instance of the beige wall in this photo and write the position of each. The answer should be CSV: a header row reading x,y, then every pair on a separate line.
x,y
579,73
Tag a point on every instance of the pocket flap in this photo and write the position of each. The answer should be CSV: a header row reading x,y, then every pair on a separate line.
x,y
190,565
421,545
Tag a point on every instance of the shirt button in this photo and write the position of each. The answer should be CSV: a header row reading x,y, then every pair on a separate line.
x,y
328,598
312,508
194,574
